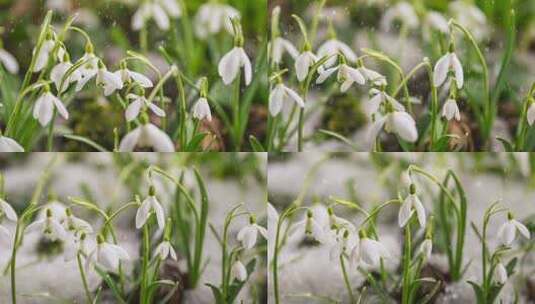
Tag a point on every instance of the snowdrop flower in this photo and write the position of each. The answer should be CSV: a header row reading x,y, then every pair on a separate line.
x,y
410,204
230,65
531,114
368,251
159,10
507,231
108,80
403,12
304,61
147,135
273,215
164,250
238,271
138,78
44,108
201,109
450,110
279,46
336,222
212,17
89,69
49,227
331,48
8,144
43,54
426,248
372,76
398,122
248,234
106,255
150,204
346,75
8,61
133,109
380,97
279,94
75,224
341,245
309,226
74,245
436,21
447,63
59,72
500,274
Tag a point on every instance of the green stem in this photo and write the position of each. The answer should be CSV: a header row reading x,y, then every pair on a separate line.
x,y
406,266
84,279
50,139
346,279
144,271
236,113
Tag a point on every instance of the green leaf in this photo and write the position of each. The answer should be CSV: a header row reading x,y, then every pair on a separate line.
x,y
478,291
255,144
86,141
218,295
195,143
510,267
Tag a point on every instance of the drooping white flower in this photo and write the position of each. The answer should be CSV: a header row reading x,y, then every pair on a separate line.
x,y
379,98
133,109
44,108
369,252
75,224
308,226
59,72
9,61
150,203
74,244
159,10
41,58
304,61
248,234
448,62
238,271
201,109
531,114
437,21
279,94
500,274
507,231
426,248
8,144
333,47
7,211
450,110
49,226
230,65
279,46
147,135
88,70
109,81
411,204
140,79
346,75
373,77
164,250
402,12
341,244
106,255
212,17
398,122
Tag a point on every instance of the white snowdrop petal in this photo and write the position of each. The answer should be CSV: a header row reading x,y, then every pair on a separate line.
x,y
229,66
295,97
8,210
531,114
405,212
44,109
276,98
129,141
9,145
302,65
521,228
501,273
262,231
346,85
141,79
420,210
326,73
238,271
142,213
60,107
158,210
156,110
458,70
132,111
247,68
160,17
441,70
9,62
404,125
507,233
355,75
161,142
171,7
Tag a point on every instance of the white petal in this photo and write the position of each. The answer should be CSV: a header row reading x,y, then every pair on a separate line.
x,y
132,111
355,75
262,231
160,216
375,128
441,70
229,66
60,107
420,210
302,65
238,271
156,110
9,145
404,125
160,141
142,213
501,274
42,57
9,61
531,114
57,73
247,68
506,233
8,210
129,142
523,229
160,17
276,98
458,69
141,79
43,109
171,7
405,212
35,226
325,74
295,97
346,85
